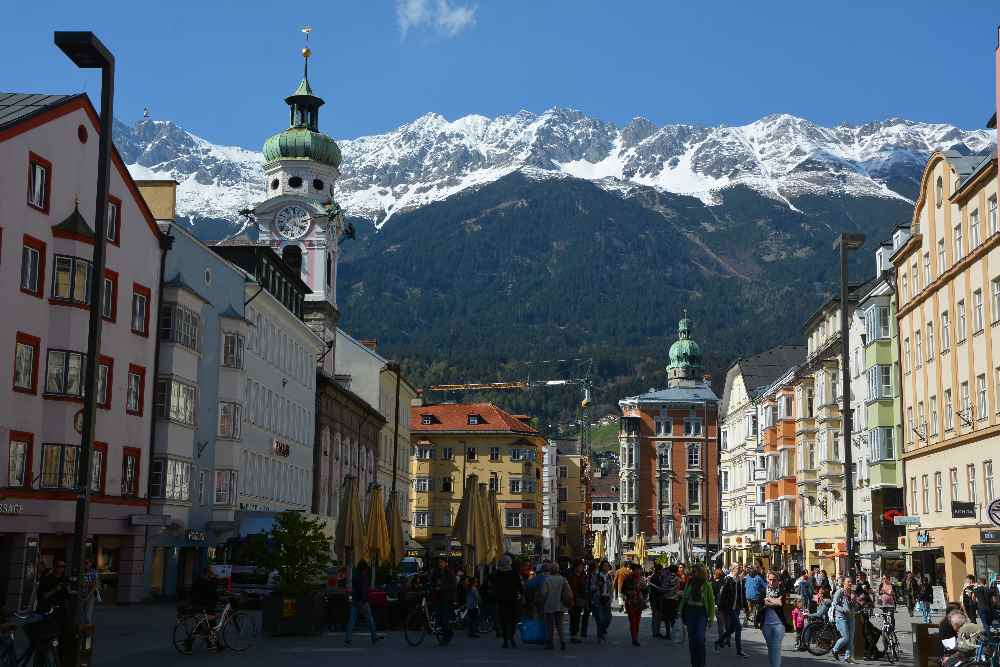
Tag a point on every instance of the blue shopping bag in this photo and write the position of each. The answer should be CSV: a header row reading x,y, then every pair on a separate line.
x,y
532,631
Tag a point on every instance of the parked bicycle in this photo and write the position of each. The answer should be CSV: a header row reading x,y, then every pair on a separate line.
x,y
460,621
235,630
43,640
988,647
419,623
820,636
890,642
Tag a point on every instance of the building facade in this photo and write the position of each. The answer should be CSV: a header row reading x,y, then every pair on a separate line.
x,y
743,472
603,498
199,402
572,485
550,499
669,454
453,441
948,281
777,417
49,146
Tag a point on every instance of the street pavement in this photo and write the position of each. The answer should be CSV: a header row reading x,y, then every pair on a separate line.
x,y
140,636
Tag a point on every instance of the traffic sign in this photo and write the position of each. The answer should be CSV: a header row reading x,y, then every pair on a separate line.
x,y
994,512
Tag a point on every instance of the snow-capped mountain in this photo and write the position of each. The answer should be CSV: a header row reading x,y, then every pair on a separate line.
x,y
431,158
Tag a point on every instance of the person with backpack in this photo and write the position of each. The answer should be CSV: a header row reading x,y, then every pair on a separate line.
x,y
697,605
755,589
844,609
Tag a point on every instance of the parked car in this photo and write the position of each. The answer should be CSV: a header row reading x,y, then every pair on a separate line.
x,y
250,585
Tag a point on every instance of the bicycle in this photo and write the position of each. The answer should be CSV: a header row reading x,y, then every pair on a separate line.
x,y
460,620
820,636
419,622
235,630
43,645
988,647
890,642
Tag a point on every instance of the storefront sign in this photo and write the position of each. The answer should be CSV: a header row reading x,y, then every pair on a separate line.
x,y
149,519
963,510
923,537
11,508
196,536
281,449
994,512
906,520
989,535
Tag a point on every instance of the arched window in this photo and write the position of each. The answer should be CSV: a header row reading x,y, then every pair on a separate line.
x,y
939,191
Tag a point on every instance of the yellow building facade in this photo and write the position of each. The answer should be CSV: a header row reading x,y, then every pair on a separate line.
x,y
948,289
573,498
453,441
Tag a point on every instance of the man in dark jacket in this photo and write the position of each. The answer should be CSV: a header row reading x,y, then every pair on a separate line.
x,y
577,580
508,591
53,588
984,603
360,586
444,588
732,598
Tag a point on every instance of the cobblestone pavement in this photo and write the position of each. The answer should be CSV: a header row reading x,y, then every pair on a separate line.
x,y
140,636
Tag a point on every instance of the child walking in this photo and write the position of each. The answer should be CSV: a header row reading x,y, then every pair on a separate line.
x,y
472,602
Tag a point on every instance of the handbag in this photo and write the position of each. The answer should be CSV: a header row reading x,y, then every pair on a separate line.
x,y
532,631
567,595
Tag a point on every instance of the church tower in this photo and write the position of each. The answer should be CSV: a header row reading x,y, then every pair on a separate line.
x,y
299,218
685,357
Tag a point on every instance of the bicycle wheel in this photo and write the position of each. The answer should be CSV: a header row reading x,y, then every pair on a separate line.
x,y
190,634
822,640
239,631
485,625
416,627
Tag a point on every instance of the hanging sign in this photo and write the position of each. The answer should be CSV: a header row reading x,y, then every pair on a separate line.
x,y
963,510
994,512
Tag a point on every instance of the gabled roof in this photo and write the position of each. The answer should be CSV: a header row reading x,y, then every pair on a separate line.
x,y
682,394
15,107
760,370
454,417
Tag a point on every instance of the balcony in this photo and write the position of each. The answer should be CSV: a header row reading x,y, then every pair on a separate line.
x,y
629,428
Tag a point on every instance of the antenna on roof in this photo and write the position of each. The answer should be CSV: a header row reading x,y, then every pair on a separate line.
x,y
145,112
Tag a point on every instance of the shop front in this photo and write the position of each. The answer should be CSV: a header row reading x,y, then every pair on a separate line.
x,y
986,554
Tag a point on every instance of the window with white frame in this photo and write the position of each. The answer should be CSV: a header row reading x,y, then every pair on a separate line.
x,y
992,212
664,426
692,426
928,277
694,495
179,325
933,425
881,444
230,420
938,491
948,411
942,257
906,355
925,493
225,487
988,482
422,519
970,479
916,277
64,373
232,350
424,453
170,479
423,484
977,311
694,455
981,410
945,332
60,464
953,483
71,279
176,400
913,495
18,455
694,527
918,351
960,324
965,401
958,242
974,236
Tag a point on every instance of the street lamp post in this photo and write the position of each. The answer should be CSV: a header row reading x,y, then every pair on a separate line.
x,y
87,52
847,242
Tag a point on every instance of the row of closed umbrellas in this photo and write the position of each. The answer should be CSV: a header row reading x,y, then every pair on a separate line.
x,y
379,537
608,545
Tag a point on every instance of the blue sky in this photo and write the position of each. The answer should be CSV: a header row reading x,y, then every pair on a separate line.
x,y
221,68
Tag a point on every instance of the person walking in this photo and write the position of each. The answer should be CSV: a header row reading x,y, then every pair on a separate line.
x,y
732,598
984,604
603,589
91,591
473,603
924,595
655,587
672,590
911,583
578,585
443,588
634,595
755,587
772,621
508,591
360,586
844,609
588,596
697,605
805,589
556,598
720,622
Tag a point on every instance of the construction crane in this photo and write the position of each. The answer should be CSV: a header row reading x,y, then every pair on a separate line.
x,y
585,382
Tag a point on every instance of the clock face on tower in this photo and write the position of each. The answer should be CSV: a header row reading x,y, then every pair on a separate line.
x,y
292,222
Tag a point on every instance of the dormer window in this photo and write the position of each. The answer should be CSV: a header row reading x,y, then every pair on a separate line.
x,y
426,419
475,420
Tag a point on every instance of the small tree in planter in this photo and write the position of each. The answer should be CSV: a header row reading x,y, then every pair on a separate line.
x,y
297,554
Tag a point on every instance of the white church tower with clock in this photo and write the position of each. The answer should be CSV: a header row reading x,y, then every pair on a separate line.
x,y
299,218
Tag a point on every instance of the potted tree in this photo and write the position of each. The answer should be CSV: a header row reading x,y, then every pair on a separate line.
x,y
296,553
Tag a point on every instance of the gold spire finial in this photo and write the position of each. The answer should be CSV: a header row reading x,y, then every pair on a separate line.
x,y
306,51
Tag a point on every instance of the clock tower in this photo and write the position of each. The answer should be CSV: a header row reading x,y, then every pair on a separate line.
x,y
299,218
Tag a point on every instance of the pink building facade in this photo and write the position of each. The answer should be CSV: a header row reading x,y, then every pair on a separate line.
x,y
48,158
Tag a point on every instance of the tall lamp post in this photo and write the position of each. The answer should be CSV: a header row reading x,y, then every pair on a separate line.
x,y
87,52
847,242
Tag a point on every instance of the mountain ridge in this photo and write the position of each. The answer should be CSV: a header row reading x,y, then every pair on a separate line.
x,y
431,158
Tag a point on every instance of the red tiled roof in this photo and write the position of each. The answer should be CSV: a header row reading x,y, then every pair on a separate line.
x,y
455,417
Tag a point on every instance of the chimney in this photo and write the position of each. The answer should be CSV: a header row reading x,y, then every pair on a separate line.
x,y
370,343
292,256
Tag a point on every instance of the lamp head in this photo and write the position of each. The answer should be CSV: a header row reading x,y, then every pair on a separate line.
x,y
84,49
